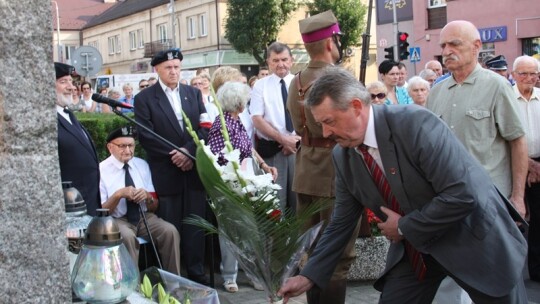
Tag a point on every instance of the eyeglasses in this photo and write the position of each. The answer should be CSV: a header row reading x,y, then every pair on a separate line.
x,y
143,86
196,83
380,96
124,146
525,74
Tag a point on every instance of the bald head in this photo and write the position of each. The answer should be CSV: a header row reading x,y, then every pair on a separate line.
x,y
460,44
435,66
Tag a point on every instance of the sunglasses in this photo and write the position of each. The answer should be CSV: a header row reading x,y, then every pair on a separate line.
x,y
380,96
143,86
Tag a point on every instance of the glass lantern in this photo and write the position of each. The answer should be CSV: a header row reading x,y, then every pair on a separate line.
x,y
104,271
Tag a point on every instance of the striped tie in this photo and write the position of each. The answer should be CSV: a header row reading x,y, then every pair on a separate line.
x,y
415,257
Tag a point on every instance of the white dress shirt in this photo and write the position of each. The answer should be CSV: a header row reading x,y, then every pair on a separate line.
x,y
174,100
370,140
113,178
60,110
530,117
266,100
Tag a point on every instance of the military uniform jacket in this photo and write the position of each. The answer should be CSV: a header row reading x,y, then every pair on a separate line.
x,y
314,172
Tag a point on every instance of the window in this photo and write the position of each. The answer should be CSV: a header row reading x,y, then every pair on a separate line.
x,y
132,40
69,49
202,26
94,44
118,44
162,32
114,45
140,38
191,27
531,47
436,3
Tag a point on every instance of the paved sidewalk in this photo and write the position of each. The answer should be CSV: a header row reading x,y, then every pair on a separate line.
x,y
357,293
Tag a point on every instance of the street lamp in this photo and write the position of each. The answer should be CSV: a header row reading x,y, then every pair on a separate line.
x,y
59,55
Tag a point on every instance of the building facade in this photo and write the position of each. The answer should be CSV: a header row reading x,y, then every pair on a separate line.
x,y
507,27
129,33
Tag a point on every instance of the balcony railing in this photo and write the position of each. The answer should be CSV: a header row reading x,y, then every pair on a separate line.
x,y
151,48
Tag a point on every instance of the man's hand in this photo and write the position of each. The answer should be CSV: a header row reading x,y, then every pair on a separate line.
x,y
133,194
389,228
288,143
519,204
180,160
294,287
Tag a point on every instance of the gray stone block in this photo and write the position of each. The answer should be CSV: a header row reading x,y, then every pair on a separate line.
x,y
34,266
370,258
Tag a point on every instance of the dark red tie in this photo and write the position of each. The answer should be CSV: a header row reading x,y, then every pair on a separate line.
x,y
416,258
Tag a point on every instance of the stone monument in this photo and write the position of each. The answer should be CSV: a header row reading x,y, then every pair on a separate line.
x,y
34,267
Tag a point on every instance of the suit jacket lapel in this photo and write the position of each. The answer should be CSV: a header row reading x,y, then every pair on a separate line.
x,y
388,153
86,142
168,110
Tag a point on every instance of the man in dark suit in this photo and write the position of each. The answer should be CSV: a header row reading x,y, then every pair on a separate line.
x,y
77,155
181,193
440,209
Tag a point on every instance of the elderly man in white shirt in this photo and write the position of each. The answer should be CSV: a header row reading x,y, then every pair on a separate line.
x,y
525,73
275,139
125,186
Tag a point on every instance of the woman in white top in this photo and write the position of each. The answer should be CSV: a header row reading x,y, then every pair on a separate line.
x,y
86,97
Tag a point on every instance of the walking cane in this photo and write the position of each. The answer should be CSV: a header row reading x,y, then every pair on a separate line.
x,y
150,236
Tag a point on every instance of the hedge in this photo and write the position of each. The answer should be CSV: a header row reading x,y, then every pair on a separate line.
x,y
99,126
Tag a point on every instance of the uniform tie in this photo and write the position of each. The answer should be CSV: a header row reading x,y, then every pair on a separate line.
x,y
415,257
132,214
285,95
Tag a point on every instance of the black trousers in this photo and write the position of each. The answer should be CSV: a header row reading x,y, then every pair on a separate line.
x,y
532,195
402,286
174,209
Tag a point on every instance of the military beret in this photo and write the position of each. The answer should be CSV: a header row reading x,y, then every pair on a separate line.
x,y
163,56
497,63
63,69
319,27
126,131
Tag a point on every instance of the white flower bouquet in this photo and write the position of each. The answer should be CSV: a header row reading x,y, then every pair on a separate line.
x,y
267,242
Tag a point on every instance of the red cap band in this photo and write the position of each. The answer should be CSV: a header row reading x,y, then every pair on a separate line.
x,y
321,34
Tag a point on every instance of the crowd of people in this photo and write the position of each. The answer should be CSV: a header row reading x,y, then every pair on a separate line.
x,y
449,159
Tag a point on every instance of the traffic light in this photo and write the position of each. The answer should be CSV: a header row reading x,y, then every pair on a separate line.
x,y
403,45
390,53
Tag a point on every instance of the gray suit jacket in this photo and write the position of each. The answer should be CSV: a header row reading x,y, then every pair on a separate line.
x,y
453,212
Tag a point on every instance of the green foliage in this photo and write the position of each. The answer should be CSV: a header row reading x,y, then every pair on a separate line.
x,y
252,25
99,126
146,287
350,15
163,297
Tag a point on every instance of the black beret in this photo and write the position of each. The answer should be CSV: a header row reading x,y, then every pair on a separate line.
x,y
63,69
126,131
386,66
163,56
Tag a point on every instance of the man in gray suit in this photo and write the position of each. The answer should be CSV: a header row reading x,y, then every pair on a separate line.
x,y
450,220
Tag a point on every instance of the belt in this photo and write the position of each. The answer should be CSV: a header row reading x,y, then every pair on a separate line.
x,y
318,142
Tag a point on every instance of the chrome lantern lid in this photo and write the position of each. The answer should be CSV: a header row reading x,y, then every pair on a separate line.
x,y
102,230
73,200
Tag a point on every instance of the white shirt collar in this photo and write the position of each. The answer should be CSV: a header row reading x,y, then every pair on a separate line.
x,y
166,88
370,139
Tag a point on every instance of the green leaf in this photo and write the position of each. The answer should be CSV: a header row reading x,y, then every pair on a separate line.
x,y
162,295
146,287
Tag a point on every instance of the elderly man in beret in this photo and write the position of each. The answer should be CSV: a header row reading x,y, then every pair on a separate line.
x,y
76,152
181,193
126,190
314,172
